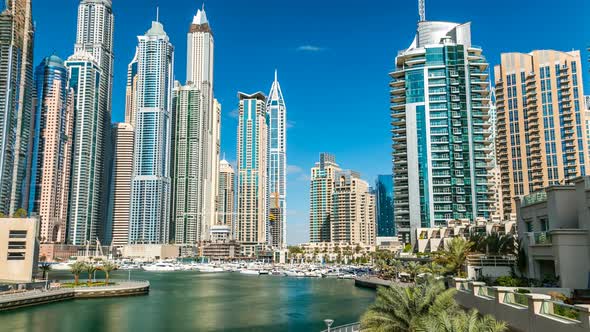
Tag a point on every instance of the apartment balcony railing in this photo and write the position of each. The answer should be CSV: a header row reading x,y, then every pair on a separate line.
x,y
540,238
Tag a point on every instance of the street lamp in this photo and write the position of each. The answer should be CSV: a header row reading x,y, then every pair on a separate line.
x,y
329,323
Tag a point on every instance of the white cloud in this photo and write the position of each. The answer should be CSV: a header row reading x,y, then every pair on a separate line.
x,y
310,48
304,177
294,169
290,124
234,113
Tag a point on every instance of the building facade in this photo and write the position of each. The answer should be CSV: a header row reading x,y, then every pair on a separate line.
x,y
94,36
541,122
321,188
130,91
120,204
200,61
20,249
277,164
150,185
226,195
52,150
439,111
16,100
353,210
251,216
84,203
384,206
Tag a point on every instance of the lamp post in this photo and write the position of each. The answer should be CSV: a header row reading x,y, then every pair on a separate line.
x,y
328,323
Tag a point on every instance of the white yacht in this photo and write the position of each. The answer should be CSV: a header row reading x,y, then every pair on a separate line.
x,y
160,267
210,269
249,272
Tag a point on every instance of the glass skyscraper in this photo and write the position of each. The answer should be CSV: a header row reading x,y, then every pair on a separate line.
x,y
439,109
150,186
277,165
384,201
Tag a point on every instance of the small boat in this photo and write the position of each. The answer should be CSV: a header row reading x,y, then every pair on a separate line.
x,y
346,276
160,267
249,272
210,269
263,272
62,266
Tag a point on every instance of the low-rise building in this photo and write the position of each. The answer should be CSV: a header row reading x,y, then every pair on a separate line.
x,y
54,252
19,246
151,251
221,250
554,226
320,251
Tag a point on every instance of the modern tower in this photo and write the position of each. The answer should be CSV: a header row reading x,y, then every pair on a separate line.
x,y
95,37
353,210
150,185
541,122
120,203
252,177
50,175
84,223
16,100
321,189
130,91
384,206
277,164
226,194
439,113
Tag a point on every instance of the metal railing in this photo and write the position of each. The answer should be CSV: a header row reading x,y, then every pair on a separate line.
x,y
541,238
353,327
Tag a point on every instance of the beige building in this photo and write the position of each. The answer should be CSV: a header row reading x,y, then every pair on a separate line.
x,y
151,251
225,194
541,136
321,188
121,186
353,209
19,248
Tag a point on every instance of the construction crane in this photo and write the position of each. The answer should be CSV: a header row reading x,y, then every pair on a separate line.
x,y
422,10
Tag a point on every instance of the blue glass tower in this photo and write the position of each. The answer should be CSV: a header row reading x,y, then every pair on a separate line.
x,y
385,206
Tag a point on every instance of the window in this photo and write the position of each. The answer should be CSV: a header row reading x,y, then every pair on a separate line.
x,y
17,245
16,256
17,234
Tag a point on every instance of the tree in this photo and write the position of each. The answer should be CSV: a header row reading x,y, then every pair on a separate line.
x,y
454,256
44,267
401,309
413,268
90,269
461,321
432,268
358,249
107,267
77,268
20,213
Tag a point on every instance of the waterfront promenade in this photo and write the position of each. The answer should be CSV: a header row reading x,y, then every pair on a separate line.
x,y
15,300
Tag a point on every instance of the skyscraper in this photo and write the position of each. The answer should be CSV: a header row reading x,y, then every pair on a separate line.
x,y
16,101
384,206
252,172
150,186
321,189
94,36
120,203
541,121
439,111
200,51
353,210
50,175
226,194
277,163
84,203
130,91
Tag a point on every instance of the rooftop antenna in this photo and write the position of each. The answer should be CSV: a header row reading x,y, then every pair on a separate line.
x,y
203,8
158,14
276,75
422,10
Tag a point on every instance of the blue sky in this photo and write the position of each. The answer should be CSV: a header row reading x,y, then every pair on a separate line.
x,y
333,59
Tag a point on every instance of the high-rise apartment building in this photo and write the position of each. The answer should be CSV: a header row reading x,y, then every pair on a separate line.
x,y
150,185
50,174
94,36
277,164
251,218
353,210
321,189
384,206
120,204
226,195
541,122
130,90
83,212
16,100
439,111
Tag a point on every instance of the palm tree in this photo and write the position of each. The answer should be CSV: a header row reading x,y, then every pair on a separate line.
x,y
77,268
413,268
455,255
90,269
460,321
432,268
107,267
397,266
45,268
401,309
